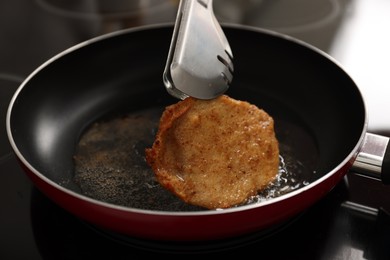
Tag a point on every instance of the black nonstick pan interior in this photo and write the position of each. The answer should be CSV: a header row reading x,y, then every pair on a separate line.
x,y
319,113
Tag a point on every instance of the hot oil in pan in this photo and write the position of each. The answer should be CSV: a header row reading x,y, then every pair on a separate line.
x,y
110,165
298,160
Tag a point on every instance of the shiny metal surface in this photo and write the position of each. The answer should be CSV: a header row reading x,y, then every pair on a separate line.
x,y
370,158
200,60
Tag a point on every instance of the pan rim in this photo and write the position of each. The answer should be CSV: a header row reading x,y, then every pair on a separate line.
x,y
347,160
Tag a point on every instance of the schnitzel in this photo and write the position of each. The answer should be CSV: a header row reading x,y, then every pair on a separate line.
x,y
214,153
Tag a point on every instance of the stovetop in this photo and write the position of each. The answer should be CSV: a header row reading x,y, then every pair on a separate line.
x,y
351,222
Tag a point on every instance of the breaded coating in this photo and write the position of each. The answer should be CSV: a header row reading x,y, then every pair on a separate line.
x,y
214,153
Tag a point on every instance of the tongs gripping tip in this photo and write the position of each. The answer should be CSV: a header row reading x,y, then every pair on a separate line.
x,y
200,60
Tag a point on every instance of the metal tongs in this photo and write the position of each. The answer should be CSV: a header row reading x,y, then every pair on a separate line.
x,y
200,61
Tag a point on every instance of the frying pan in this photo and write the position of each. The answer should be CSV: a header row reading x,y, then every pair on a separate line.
x,y
319,112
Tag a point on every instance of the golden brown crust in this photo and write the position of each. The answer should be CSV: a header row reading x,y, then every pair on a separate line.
x,y
214,153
